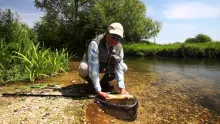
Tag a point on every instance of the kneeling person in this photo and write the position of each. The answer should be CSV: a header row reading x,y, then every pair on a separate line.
x,y
105,55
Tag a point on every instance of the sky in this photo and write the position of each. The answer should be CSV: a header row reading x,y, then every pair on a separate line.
x,y
180,19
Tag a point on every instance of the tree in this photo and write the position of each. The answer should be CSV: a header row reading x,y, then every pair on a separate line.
x,y
64,23
71,22
8,22
157,27
152,29
190,40
199,38
202,38
11,29
132,15
14,36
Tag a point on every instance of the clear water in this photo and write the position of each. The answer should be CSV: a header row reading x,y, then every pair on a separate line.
x,y
189,68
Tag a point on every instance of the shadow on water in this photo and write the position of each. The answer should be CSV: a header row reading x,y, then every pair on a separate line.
x,y
76,91
210,102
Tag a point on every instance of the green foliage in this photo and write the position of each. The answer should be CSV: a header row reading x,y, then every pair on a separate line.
x,y
146,42
211,52
42,62
8,21
1,69
190,40
71,23
11,29
140,54
191,51
50,33
210,49
200,38
33,86
20,58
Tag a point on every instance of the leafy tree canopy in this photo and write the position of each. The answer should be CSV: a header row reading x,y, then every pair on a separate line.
x,y
199,38
72,22
11,29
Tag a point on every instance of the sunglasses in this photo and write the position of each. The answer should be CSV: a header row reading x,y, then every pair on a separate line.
x,y
116,37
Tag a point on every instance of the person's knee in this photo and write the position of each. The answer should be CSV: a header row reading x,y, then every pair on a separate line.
x,y
83,69
125,67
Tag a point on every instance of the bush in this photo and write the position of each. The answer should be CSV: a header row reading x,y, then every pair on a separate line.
x,y
190,40
202,38
211,52
139,53
1,68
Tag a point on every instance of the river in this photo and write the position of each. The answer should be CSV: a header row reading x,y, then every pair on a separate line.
x,y
208,68
171,90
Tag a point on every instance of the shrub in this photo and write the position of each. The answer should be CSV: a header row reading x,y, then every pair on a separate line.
x,y
1,67
190,40
139,53
146,42
211,52
202,38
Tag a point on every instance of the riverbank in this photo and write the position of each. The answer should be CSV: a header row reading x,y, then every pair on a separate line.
x,y
204,50
160,101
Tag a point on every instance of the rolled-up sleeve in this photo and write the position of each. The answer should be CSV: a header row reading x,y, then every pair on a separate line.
x,y
119,73
93,62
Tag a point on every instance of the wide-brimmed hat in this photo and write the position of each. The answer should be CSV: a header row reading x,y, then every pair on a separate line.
x,y
116,28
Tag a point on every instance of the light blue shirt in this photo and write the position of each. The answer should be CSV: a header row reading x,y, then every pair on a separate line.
x,y
93,63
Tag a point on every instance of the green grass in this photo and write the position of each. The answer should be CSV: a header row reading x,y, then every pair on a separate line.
x,y
21,56
32,86
43,62
211,49
26,61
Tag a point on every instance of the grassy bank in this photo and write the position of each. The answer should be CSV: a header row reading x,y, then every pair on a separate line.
x,y
22,58
26,61
211,49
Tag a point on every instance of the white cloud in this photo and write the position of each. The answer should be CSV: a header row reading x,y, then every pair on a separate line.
x,y
191,10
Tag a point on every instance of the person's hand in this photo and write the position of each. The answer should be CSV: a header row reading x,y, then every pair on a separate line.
x,y
103,95
123,91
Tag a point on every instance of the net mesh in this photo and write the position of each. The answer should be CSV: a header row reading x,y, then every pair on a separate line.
x,y
125,109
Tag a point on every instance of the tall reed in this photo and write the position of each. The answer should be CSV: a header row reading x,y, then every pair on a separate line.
x,y
24,61
40,63
21,58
